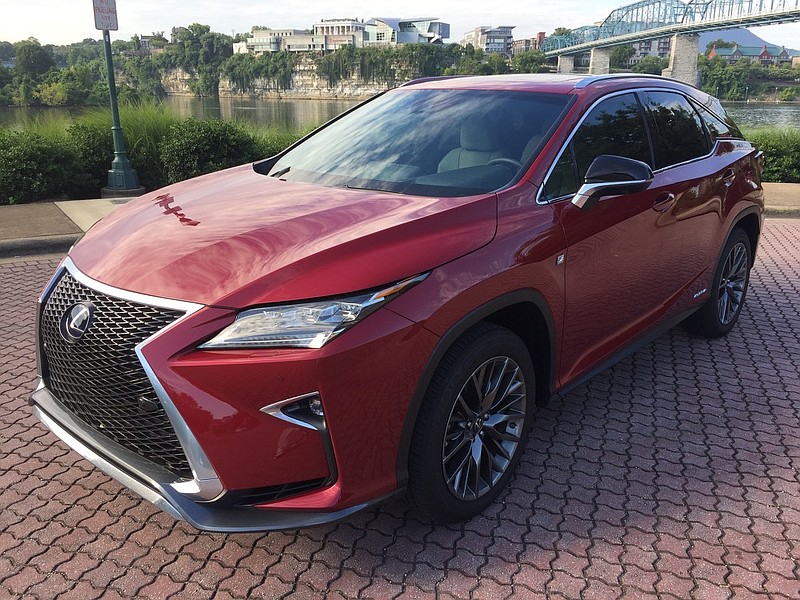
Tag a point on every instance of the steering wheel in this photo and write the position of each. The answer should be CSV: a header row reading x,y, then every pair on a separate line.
x,y
508,162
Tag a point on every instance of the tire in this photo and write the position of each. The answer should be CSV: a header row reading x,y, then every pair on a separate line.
x,y
472,426
720,312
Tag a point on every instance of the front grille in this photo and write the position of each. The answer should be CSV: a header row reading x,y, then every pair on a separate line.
x,y
99,378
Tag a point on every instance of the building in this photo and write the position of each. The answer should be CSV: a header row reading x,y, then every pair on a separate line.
x,y
659,47
765,54
528,44
328,35
263,40
492,40
390,32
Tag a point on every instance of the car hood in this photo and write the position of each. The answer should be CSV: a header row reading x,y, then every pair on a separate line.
x,y
237,238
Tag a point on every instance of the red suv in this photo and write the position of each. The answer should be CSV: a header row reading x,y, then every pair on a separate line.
x,y
381,306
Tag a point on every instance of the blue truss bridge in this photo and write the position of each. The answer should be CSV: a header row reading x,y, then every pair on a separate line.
x,y
651,19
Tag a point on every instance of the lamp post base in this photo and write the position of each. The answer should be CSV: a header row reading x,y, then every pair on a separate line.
x,y
109,192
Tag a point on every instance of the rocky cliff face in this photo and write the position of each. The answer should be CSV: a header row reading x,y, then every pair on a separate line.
x,y
306,84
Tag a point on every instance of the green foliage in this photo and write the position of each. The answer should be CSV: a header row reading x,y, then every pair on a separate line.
x,y
788,94
620,55
719,43
6,51
198,147
200,52
742,79
651,64
276,68
562,31
390,65
529,62
31,59
35,167
781,149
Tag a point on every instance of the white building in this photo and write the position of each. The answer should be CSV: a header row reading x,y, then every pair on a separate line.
x,y
390,32
331,34
492,40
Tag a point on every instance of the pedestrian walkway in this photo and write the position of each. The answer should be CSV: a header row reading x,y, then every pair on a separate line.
x,y
52,227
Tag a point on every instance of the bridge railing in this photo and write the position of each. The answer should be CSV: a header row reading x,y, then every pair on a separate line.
x,y
643,20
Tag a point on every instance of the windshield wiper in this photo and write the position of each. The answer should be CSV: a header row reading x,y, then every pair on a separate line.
x,y
283,171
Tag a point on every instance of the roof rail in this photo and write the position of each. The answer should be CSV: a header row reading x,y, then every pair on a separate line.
x,y
596,78
440,78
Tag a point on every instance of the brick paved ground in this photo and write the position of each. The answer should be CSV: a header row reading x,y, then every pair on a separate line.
x,y
673,474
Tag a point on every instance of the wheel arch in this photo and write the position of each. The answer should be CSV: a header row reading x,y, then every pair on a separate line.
x,y
750,222
523,312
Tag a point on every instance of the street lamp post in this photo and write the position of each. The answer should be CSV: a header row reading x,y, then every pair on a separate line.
x,y
122,178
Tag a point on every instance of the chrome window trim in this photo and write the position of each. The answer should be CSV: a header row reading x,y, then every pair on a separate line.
x,y
205,485
540,191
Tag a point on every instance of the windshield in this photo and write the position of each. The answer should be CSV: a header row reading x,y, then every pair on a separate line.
x,y
427,142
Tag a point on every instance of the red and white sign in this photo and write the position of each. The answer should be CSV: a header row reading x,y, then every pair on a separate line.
x,y
105,15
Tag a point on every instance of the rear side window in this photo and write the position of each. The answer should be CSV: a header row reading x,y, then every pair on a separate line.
x,y
717,128
678,134
615,126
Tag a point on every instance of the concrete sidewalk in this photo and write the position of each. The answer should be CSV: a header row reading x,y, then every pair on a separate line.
x,y
52,227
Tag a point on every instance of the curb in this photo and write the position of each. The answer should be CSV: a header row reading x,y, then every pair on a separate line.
x,y
782,213
48,244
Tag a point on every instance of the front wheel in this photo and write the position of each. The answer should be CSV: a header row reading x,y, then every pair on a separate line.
x,y
472,426
729,289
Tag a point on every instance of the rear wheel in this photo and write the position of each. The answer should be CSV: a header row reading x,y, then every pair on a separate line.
x,y
472,427
729,289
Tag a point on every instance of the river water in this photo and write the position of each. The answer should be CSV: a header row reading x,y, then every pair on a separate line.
x,y
301,115
304,114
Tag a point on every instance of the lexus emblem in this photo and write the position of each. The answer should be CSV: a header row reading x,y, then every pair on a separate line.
x,y
76,321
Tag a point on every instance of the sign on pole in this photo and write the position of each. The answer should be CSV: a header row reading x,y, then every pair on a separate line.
x,y
105,15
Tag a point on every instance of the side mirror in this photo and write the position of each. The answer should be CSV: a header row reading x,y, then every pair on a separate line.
x,y
610,175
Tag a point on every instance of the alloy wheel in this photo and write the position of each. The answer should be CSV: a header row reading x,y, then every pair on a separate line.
x,y
484,428
732,284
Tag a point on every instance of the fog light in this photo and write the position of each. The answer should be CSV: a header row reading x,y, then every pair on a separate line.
x,y
315,405
305,410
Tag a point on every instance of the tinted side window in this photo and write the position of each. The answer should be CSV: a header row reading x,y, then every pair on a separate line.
x,y
615,126
716,127
678,133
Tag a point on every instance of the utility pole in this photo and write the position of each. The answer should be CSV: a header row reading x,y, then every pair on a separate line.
x,y
122,178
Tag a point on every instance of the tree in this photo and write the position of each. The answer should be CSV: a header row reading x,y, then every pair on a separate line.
x,y
560,31
718,43
651,64
529,62
32,59
6,51
498,64
620,55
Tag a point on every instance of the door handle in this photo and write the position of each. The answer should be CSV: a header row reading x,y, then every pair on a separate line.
x,y
664,201
728,177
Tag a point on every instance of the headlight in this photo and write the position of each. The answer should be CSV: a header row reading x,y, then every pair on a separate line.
x,y
304,325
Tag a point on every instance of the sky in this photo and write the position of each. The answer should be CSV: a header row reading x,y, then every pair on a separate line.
x,y
67,21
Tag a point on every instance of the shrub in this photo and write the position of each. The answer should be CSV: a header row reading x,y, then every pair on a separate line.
x,y
781,149
36,167
197,147
95,150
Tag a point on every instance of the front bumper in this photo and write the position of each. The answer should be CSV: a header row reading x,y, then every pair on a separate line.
x,y
217,403
155,485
